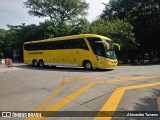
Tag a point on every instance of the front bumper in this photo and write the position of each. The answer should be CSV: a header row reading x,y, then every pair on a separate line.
x,y
107,63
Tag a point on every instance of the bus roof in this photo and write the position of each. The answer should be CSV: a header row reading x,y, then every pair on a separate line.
x,y
69,37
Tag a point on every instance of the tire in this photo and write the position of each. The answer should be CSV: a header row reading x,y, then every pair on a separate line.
x,y
35,63
87,65
41,64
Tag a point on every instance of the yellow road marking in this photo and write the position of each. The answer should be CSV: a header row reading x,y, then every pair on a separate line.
x,y
114,100
158,102
125,79
62,84
64,101
69,98
111,104
51,97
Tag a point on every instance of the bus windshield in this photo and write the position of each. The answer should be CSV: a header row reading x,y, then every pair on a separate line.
x,y
111,51
100,49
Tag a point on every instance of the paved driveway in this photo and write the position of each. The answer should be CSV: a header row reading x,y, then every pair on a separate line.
x,y
76,93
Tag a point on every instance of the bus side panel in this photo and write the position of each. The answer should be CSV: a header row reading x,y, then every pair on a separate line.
x,y
60,57
26,57
81,55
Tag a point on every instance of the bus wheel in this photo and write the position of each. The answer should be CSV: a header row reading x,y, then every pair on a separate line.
x,y
41,64
35,63
87,65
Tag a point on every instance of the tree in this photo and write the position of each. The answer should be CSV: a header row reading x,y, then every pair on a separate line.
x,y
144,15
2,40
2,36
79,26
57,10
120,31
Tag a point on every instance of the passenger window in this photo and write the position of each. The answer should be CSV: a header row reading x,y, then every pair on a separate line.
x,y
97,48
65,44
80,43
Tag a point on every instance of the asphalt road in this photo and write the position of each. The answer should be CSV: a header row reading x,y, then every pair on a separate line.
x,y
121,93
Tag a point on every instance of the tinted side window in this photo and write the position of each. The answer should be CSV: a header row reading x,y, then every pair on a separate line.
x,y
31,47
64,44
46,46
34,46
39,46
58,45
26,46
69,44
92,43
98,48
80,43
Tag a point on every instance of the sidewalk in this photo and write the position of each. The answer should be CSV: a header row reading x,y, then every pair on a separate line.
x,y
4,68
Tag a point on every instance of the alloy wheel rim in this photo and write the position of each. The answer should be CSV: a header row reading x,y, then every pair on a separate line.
x,y
88,65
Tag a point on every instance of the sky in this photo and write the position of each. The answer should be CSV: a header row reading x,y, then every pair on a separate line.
x,y
13,12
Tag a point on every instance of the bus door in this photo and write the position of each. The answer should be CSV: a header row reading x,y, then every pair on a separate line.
x,y
80,53
69,53
74,57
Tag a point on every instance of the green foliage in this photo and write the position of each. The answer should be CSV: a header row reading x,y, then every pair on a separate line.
x,y
16,35
118,30
79,26
119,21
57,10
2,40
2,36
8,40
144,15
60,13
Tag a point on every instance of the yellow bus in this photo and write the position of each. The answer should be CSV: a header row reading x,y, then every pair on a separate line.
x,y
85,50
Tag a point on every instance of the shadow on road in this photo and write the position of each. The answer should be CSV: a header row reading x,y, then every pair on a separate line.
x,y
65,69
149,103
138,64
146,105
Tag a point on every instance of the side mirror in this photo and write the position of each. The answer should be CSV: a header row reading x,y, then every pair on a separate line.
x,y
117,45
107,45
